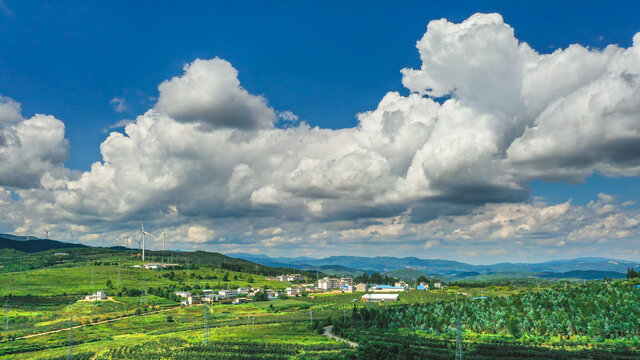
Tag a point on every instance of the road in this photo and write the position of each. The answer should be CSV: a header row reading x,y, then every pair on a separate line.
x,y
330,335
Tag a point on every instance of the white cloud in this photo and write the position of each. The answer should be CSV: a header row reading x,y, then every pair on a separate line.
x,y
29,148
209,93
209,149
119,104
287,115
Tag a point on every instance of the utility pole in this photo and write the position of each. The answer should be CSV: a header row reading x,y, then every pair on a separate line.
x,y
206,324
118,282
143,295
5,325
70,341
458,338
92,275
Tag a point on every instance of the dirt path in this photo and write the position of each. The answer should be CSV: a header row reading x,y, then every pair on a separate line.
x,y
91,324
330,335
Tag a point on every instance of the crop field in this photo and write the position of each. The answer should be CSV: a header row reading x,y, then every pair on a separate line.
x,y
45,317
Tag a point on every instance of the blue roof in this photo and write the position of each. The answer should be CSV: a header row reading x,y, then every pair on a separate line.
x,y
638,286
479,298
388,287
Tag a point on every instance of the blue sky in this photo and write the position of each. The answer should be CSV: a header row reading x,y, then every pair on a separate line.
x,y
325,62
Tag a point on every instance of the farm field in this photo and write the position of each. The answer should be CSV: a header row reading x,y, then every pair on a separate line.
x,y
143,319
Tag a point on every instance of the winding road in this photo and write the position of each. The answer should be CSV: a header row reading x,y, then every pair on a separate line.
x,y
330,335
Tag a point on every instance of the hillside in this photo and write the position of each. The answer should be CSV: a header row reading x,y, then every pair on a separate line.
x,y
35,245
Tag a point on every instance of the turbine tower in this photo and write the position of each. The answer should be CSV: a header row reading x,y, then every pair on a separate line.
x,y
143,234
46,231
164,238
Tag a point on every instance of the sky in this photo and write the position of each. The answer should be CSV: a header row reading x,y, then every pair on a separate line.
x,y
489,132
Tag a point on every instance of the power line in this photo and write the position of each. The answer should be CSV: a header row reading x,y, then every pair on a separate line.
x,y
206,325
458,338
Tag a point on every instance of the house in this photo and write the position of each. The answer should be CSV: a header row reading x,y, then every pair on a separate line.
x,y
328,283
210,298
289,277
437,285
361,287
294,291
153,266
170,266
227,294
244,290
239,301
401,284
271,294
294,277
207,292
346,284
347,288
183,294
422,287
379,297
386,288
194,299
98,296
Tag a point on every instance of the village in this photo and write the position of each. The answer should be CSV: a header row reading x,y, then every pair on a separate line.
x,y
326,285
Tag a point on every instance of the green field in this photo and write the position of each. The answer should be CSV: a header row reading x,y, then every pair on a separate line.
x,y
143,319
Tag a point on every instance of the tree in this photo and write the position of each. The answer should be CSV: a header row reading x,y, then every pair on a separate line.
x,y
250,279
225,277
260,296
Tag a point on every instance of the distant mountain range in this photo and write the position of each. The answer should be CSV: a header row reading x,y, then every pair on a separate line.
x,y
409,268
32,244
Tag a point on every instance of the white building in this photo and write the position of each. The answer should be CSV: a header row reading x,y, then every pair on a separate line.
x,y
402,284
361,287
153,266
289,277
386,288
228,293
207,292
183,294
271,294
244,290
210,298
98,296
379,297
294,291
328,283
437,285
194,299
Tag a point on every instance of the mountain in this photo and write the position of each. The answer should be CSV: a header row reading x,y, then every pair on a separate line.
x,y
453,269
35,245
584,275
405,274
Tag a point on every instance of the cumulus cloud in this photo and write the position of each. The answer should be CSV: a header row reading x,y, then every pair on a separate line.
x,y
486,114
209,93
29,148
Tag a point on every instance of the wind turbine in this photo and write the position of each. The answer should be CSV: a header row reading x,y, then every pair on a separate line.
x,y
142,234
46,231
72,236
164,238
